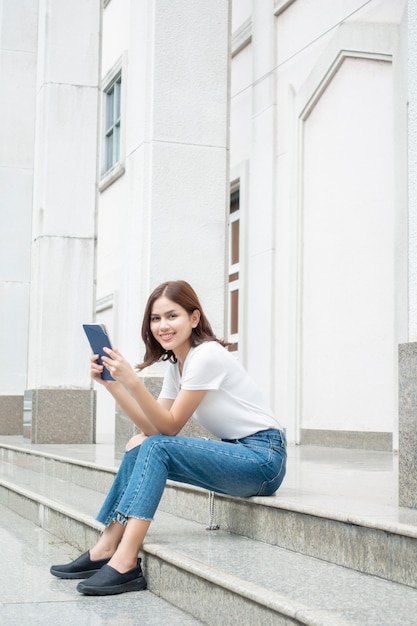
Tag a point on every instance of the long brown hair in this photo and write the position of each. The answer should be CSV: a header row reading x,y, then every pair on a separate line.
x,y
180,292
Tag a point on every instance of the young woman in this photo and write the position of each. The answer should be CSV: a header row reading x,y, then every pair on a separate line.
x,y
203,381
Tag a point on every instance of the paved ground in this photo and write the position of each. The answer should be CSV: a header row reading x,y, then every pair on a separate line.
x,y
30,595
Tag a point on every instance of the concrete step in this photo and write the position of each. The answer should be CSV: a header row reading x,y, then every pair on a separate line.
x,y
216,576
370,544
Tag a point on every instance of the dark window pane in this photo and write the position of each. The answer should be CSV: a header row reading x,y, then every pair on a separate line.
x,y
117,143
117,99
234,312
109,108
234,201
109,151
235,242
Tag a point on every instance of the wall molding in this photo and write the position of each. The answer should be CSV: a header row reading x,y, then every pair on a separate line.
x,y
104,303
281,5
242,36
351,40
331,73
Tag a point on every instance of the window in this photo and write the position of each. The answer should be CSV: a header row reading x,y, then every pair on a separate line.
x,y
234,268
112,117
113,148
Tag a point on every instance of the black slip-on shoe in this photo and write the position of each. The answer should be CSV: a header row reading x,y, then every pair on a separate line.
x,y
83,567
109,581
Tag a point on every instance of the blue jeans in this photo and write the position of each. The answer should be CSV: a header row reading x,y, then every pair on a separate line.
x,y
251,466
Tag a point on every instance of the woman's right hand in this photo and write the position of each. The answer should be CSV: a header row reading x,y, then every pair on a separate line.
x,y
96,371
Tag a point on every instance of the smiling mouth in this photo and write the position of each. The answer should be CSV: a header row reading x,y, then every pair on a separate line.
x,y
166,337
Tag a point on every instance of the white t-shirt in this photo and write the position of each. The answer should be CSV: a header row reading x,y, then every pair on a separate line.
x,y
233,407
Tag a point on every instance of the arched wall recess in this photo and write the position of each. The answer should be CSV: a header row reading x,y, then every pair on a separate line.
x,y
351,41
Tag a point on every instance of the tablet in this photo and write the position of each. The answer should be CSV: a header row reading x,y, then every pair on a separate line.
x,y
98,337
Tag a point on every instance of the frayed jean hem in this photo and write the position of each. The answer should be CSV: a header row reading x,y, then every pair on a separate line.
x,y
143,519
123,520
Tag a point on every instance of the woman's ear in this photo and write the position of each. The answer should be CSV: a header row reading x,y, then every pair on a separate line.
x,y
195,318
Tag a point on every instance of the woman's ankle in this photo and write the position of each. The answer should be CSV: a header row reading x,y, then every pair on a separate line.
x,y
99,553
123,565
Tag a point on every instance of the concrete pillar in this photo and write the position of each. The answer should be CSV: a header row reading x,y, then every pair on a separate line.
x,y
407,370
261,248
18,53
63,233
412,167
177,155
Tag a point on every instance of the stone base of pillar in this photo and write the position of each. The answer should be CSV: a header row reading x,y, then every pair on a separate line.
x,y
11,411
63,416
351,439
407,469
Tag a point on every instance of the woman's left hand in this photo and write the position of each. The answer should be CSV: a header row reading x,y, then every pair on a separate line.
x,y
118,367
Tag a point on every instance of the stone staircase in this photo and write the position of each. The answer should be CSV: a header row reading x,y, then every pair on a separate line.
x,y
272,560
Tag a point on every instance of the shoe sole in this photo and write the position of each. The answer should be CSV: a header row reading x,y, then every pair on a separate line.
x,y
139,584
73,575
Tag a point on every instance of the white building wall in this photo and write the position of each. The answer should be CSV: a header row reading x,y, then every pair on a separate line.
x,y
64,195
318,141
336,228
18,58
348,357
259,298
175,134
163,215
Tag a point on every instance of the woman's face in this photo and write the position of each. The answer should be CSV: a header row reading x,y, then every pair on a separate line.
x,y
171,325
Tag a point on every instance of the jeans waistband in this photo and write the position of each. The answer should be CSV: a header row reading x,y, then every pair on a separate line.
x,y
267,434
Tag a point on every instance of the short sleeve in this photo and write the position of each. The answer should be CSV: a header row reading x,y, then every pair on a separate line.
x,y
205,368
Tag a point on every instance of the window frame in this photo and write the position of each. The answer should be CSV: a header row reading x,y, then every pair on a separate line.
x,y
112,105
234,268
116,75
239,179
